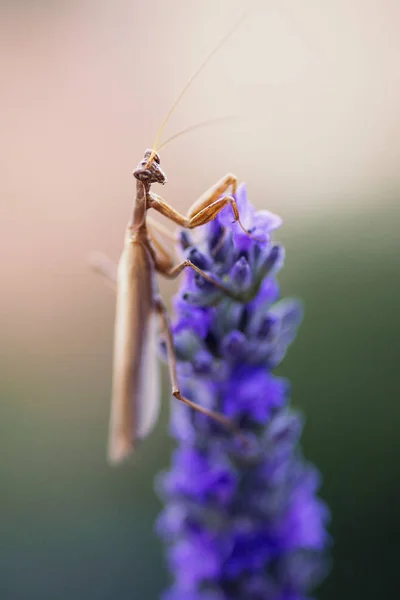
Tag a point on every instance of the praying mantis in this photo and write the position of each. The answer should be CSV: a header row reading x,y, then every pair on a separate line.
x,y
135,388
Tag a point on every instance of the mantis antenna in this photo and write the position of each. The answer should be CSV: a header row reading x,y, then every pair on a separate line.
x,y
191,79
194,127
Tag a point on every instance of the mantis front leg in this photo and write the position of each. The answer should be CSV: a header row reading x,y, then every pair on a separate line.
x,y
206,208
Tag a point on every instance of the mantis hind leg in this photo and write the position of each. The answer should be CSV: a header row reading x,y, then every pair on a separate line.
x,y
162,312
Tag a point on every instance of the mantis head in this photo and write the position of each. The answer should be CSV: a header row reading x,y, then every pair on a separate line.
x,y
148,170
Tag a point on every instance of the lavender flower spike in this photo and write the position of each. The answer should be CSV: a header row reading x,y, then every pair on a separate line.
x,y
242,521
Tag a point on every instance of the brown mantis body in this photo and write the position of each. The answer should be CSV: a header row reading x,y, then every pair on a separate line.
x,y
135,395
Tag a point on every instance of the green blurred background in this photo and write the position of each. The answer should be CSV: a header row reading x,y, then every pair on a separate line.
x,y
85,86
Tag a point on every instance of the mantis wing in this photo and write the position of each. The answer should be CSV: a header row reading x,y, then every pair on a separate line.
x,y
148,397
135,392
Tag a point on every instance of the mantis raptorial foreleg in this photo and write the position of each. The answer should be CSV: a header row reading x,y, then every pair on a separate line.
x,y
212,195
205,209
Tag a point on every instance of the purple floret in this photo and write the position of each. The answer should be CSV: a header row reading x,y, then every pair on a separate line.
x,y
242,521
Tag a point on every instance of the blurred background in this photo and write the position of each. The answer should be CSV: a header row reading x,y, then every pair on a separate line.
x,y
85,85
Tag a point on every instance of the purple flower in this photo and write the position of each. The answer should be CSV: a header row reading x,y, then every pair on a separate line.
x,y
242,521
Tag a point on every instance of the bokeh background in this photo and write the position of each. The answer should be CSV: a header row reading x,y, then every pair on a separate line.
x,y
85,85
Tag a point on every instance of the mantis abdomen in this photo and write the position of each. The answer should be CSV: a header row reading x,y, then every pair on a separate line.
x,y
135,393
